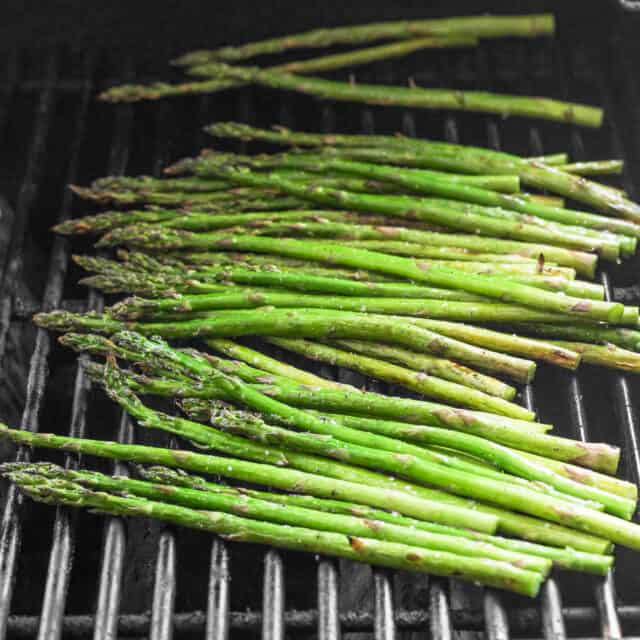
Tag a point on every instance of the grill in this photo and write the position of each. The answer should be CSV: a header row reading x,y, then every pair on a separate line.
x,y
74,575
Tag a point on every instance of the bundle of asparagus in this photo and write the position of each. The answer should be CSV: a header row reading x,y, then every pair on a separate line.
x,y
420,263
406,36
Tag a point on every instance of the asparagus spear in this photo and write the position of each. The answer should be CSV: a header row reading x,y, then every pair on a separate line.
x,y
161,239
468,26
593,168
601,335
448,157
428,385
607,355
484,102
270,365
159,309
390,554
300,323
207,496
292,480
192,220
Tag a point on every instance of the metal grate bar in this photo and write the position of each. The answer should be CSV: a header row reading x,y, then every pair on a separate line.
x,y
384,624
328,611
273,597
114,546
9,86
13,262
60,559
218,602
164,589
439,618
10,529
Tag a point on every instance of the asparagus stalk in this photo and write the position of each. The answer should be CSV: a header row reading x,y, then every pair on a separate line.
x,y
191,220
607,355
438,367
401,556
300,323
156,90
196,493
593,168
161,239
159,309
427,385
504,342
448,157
468,26
484,102
626,338
270,365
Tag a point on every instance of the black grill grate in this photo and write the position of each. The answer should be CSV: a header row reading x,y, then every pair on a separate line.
x,y
128,579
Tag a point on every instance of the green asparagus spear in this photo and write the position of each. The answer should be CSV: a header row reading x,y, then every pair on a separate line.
x,y
606,355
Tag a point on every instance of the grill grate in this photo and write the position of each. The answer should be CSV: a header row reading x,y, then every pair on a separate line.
x,y
106,589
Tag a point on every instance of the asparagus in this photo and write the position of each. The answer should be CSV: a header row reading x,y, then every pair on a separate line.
x,y
390,554
161,239
387,95
626,338
593,168
269,364
196,493
438,367
607,355
300,323
448,157
427,385
468,26
504,342
156,90
159,309
192,220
